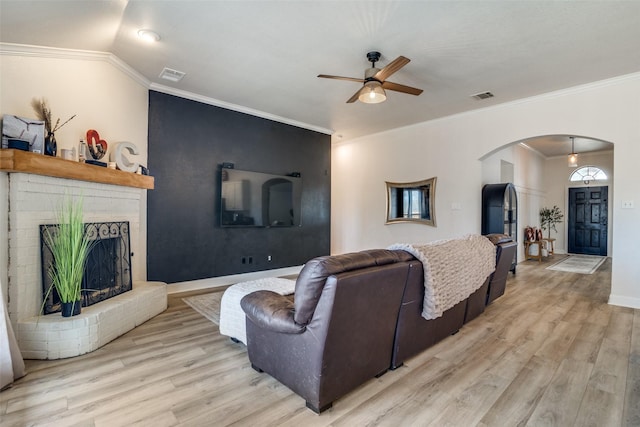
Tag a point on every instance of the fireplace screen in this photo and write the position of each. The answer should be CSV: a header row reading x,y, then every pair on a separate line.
x,y
108,269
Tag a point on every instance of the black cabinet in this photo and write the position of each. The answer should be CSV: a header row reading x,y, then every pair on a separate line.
x,y
500,212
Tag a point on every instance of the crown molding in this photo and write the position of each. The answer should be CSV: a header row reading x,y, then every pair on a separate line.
x,y
90,55
234,107
582,154
530,148
548,95
85,55
509,104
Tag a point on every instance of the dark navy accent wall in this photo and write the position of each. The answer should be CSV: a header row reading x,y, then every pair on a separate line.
x,y
188,142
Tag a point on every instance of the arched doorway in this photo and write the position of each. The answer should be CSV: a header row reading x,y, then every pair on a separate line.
x,y
538,167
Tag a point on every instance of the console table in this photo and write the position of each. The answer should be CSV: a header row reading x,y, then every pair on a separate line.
x,y
528,244
550,245
541,244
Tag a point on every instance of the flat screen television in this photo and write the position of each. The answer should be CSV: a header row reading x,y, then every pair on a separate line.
x,y
255,199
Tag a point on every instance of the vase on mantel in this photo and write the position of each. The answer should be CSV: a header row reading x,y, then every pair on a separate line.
x,y
50,145
69,309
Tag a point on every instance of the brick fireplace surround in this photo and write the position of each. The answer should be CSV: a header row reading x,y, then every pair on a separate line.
x,y
33,200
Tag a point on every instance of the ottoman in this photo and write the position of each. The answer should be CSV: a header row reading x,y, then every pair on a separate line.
x,y
232,318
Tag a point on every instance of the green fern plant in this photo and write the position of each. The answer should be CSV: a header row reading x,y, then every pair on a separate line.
x,y
69,246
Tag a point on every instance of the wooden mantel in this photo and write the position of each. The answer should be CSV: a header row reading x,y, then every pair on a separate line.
x,y
12,160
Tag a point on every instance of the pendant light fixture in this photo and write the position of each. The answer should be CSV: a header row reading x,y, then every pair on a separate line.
x,y
573,157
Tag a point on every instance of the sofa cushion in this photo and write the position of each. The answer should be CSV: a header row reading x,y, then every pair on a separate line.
x,y
314,274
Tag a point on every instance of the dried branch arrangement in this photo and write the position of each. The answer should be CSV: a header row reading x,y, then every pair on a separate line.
x,y
41,107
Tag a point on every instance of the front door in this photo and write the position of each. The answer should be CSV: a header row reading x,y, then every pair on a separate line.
x,y
588,220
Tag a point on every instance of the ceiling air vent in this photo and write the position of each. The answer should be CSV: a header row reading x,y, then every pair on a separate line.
x,y
172,75
482,95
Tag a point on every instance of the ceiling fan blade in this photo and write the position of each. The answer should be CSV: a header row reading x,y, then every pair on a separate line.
x,y
391,68
401,88
351,79
355,96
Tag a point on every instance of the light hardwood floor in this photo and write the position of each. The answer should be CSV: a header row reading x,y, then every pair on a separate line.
x,y
549,352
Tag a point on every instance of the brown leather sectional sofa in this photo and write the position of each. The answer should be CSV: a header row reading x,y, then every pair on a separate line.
x,y
353,316
414,333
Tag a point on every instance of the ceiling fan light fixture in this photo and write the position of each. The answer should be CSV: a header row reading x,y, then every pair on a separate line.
x,y
372,93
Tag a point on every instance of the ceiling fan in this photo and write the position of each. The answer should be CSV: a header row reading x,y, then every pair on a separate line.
x,y
375,80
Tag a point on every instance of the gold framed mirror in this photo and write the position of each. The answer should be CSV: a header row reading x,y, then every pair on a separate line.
x,y
412,202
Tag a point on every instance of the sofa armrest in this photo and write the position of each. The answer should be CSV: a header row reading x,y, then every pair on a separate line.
x,y
271,311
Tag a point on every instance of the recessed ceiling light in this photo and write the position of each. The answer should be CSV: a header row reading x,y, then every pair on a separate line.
x,y
149,35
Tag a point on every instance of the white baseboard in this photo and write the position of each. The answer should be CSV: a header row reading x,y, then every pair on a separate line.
x,y
215,282
623,301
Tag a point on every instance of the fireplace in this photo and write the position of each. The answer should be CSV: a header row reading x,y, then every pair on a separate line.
x,y
108,269
33,199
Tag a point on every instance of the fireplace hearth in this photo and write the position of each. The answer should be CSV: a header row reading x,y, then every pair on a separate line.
x,y
33,199
108,269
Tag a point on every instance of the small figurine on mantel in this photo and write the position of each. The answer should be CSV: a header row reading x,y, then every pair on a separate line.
x,y
43,112
97,148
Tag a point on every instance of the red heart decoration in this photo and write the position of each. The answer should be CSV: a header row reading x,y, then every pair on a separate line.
x,y
97,146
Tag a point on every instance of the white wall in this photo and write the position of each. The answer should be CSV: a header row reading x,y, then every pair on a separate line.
x,y
451,149
101,94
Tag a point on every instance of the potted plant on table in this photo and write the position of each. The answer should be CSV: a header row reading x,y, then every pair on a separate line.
x,y
69,245
549,218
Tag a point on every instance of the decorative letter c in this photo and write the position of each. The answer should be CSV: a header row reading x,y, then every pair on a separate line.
x,y
121,161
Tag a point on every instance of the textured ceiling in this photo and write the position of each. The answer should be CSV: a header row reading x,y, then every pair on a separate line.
x,y
264,56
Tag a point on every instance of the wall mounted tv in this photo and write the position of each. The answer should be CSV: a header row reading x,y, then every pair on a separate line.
x,y
255,199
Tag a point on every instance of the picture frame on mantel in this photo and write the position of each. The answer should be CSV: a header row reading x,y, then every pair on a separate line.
x,y
23,129
412,202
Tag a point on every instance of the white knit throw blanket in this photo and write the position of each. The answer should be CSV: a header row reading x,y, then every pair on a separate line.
x,y
453,270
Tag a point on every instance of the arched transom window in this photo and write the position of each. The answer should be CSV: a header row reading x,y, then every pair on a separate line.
x,y
587,174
